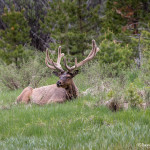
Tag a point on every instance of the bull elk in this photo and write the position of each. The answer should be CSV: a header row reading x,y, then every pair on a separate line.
x,y
64,89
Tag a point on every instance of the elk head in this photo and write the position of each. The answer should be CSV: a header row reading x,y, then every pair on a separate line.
x,y
65,77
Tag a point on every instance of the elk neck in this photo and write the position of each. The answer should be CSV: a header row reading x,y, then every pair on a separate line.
x,y
71,91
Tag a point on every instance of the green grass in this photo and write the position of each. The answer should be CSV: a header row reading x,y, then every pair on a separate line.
x,y
77,124
73,125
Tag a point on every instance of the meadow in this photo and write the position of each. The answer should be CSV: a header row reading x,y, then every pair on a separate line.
x,y
81,123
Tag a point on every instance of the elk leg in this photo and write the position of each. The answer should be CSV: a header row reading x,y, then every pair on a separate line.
x,y
24,97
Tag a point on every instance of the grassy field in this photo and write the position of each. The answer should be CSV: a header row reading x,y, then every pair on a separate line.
x,y
77,124
80,124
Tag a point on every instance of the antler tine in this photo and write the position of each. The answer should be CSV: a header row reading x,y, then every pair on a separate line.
x,y
59,55
93,52
93,46
49,62
67,67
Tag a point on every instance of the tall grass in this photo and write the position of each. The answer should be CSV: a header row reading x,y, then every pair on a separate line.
x,y
81,123
72,125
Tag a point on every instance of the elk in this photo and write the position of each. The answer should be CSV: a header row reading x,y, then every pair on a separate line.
x,y
64,89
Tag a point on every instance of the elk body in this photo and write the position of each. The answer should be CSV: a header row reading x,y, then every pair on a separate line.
x,y
64,89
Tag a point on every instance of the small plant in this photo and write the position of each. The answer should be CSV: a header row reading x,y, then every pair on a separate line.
x,y
132,96
111,93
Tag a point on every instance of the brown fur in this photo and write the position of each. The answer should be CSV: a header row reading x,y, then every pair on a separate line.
x,y
25,95
48,94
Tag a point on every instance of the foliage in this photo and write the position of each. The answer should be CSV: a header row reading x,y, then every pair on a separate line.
x,y
126,15
30,73
72,25
141,44
129,22
132,96
130,85
147,94
117,55
34,10
145,44
14,37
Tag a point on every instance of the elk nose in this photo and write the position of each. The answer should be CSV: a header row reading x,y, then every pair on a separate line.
x,y
58,84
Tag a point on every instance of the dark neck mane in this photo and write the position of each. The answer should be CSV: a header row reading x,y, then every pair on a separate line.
x,y
71,91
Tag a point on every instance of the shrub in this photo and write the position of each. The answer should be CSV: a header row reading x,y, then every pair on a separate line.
x,y
129,86
132,96
114,53
117,56
30,73
9,76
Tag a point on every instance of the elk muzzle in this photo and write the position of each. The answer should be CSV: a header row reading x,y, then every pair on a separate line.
x,y
58,83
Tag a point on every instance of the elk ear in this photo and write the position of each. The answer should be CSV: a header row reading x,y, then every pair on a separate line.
x,y
57,73
75,73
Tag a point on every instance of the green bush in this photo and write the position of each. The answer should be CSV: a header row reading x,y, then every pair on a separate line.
x,y
116,54
133,97
30,73
130,85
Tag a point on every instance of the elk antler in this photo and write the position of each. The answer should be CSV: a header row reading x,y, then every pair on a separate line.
x,y
49,62
93,52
